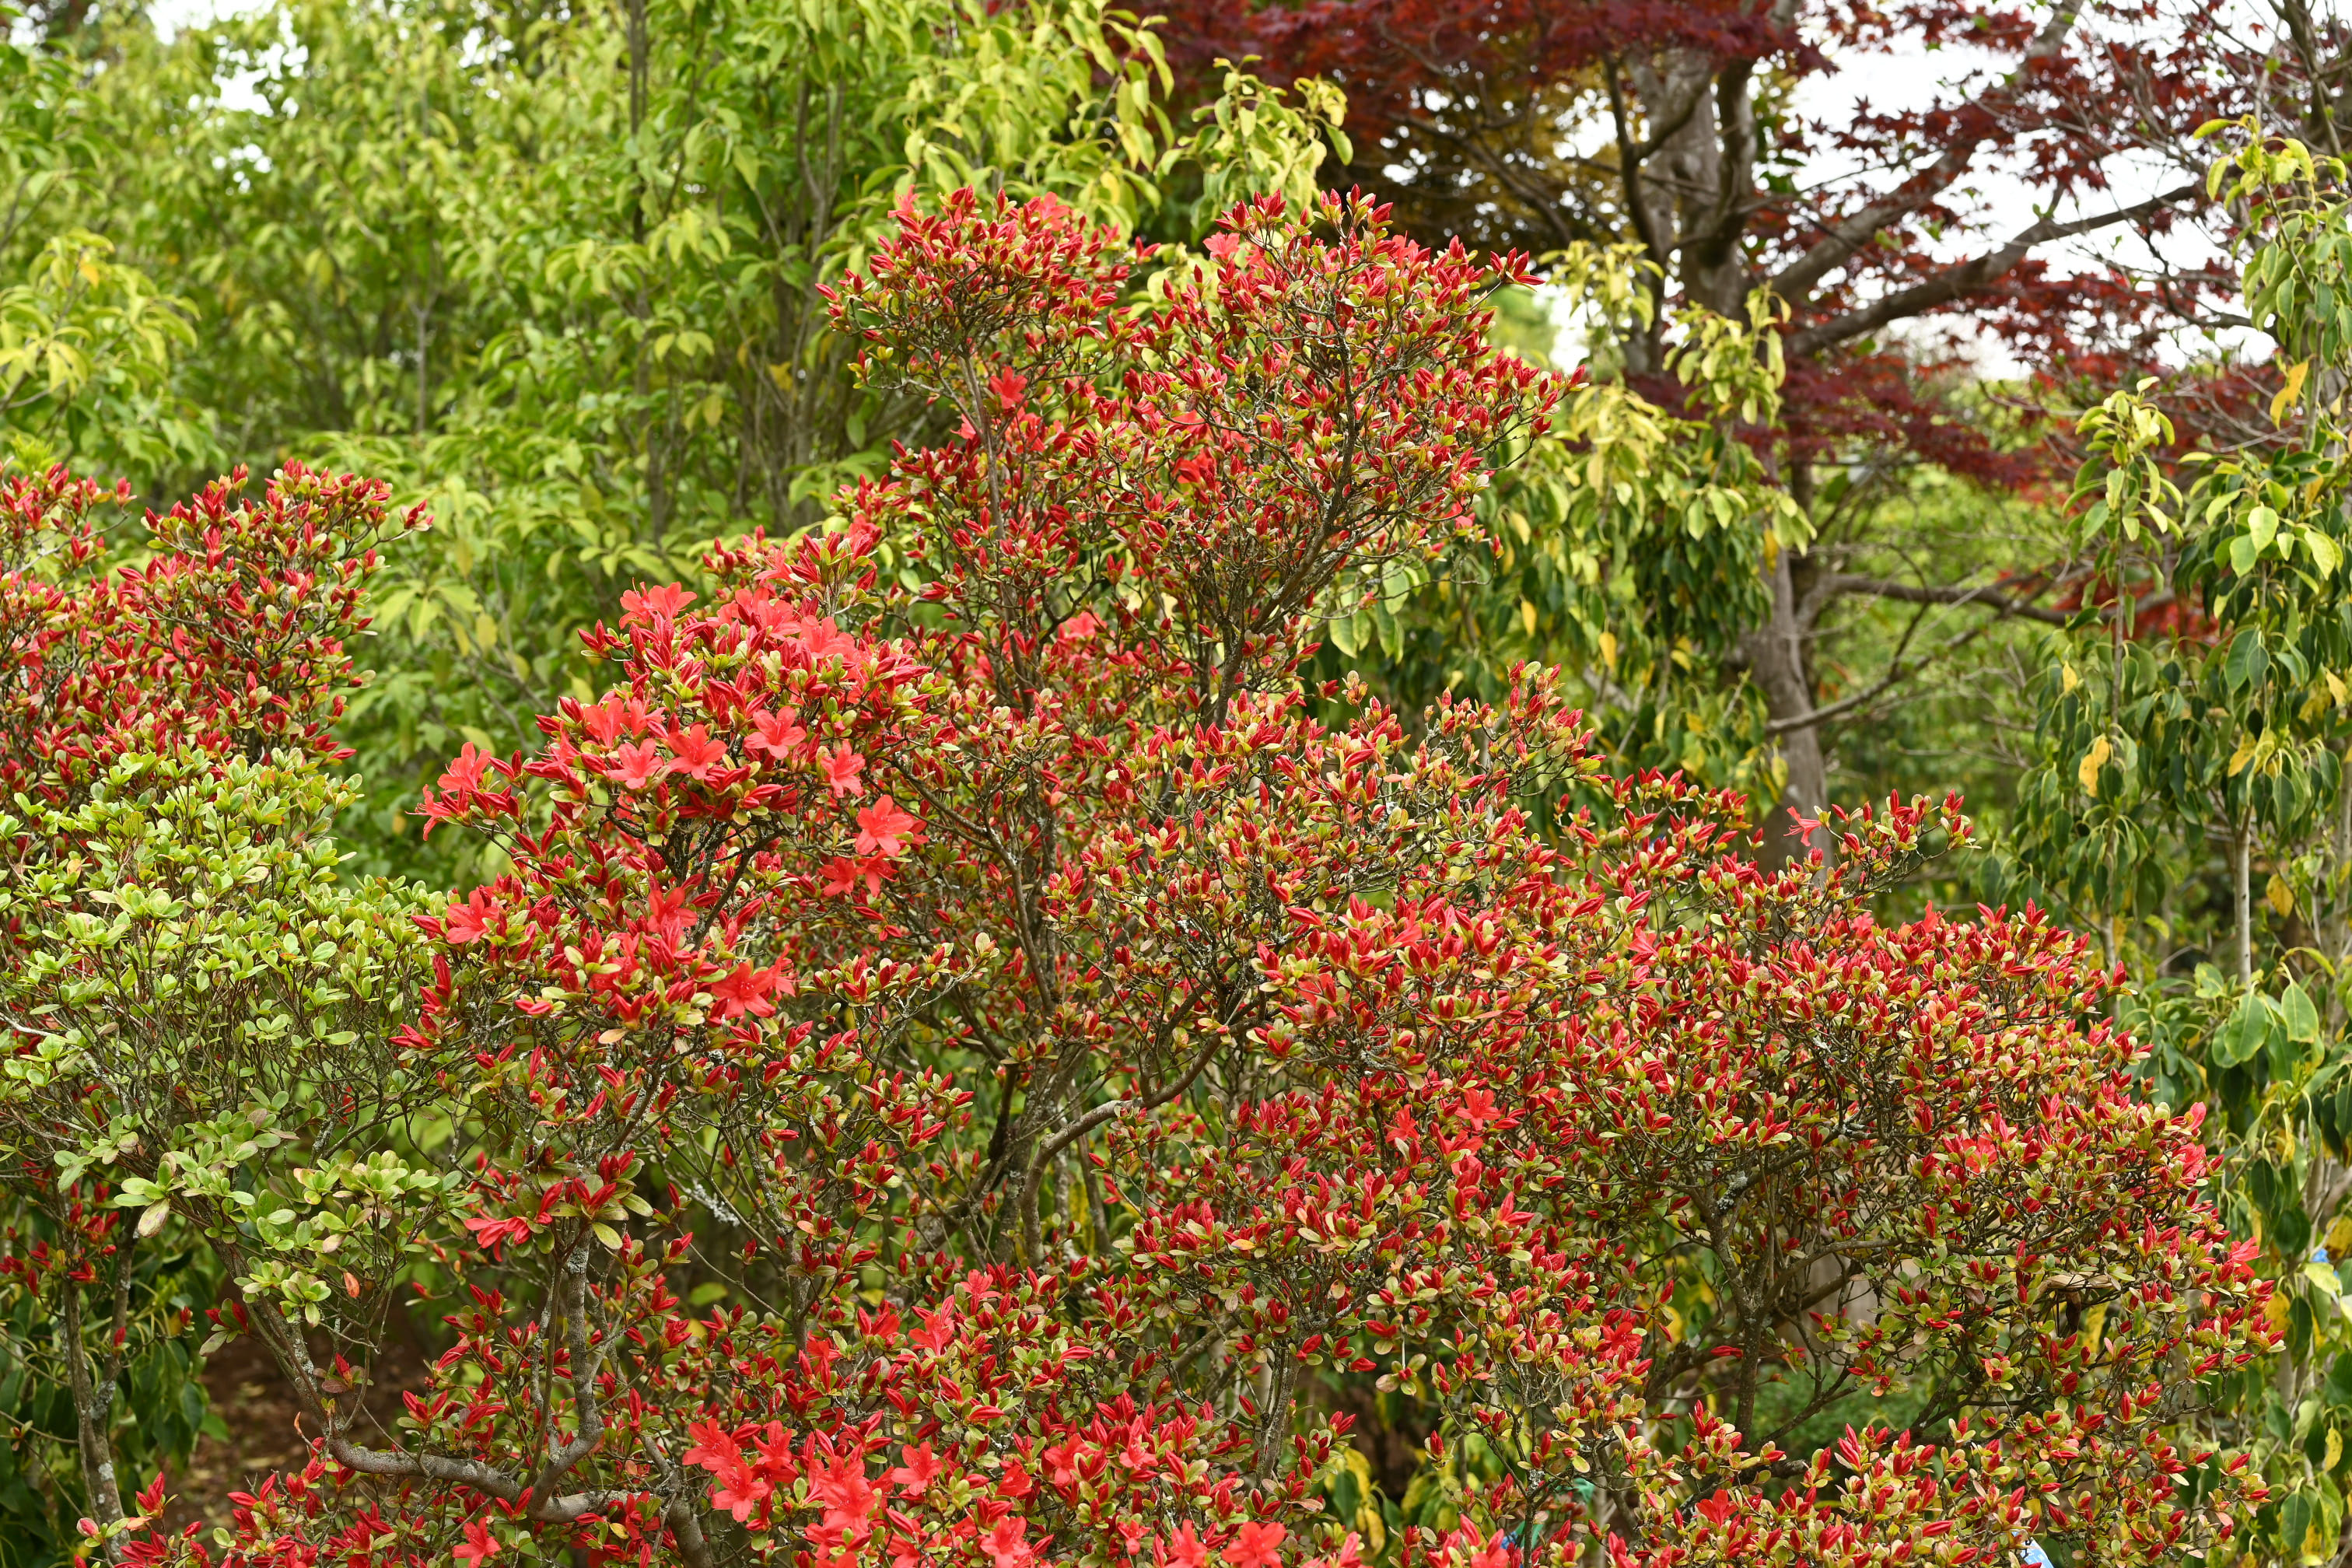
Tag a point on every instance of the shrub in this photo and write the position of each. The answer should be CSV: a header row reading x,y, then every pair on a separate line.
x,y
968,1063
188,982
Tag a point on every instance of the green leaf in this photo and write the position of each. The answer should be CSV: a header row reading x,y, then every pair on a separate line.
x,y
2244,1032
2302,1017
2294,1522
2261,527
2326,553
2247,660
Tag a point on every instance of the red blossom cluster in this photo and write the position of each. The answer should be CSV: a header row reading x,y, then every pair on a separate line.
x,y
226,638
1062,1066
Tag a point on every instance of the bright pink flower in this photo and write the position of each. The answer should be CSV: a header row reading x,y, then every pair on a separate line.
x,y
711,1444
1186,1549
739,1490
468,921
774,1455
465,774
1003,1544
666,601
636,765
478,1547
884,829
744,991
493,1233
848,1497
1062,1463
842,767
1494,1553
842,876
822,639
920,1470
775,735
1254,1546
697,752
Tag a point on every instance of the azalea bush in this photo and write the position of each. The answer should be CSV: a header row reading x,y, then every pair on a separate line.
x,y
186,976
969,1061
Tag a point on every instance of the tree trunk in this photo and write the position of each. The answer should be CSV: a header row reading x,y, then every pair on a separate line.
x,y
93,1415
1776,659
2331,914
2243,890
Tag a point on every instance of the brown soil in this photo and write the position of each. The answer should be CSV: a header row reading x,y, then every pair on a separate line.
x,y
257,1404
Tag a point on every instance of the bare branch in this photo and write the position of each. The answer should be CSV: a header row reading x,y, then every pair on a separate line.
x,y
1088,1123
1990,597
1969,277
1630,168
1896,673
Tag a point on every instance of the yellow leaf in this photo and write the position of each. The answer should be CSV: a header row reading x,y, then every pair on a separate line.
x,y
2335,1449
1609,649
2336,688
2290,393
2092,760
2067,680
2247,745
1527,616
2280,896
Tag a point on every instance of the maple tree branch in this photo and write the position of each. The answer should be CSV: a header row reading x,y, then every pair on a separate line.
x,y
1968,277
1664,129
1629,167
1894,677
1470,147
1735,197
1897,672
1565,228
1796,281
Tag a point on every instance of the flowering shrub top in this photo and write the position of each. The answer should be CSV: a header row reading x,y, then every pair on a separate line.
x,y
227,638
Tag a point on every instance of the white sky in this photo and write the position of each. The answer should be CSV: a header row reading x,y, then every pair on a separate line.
x,y
171,16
